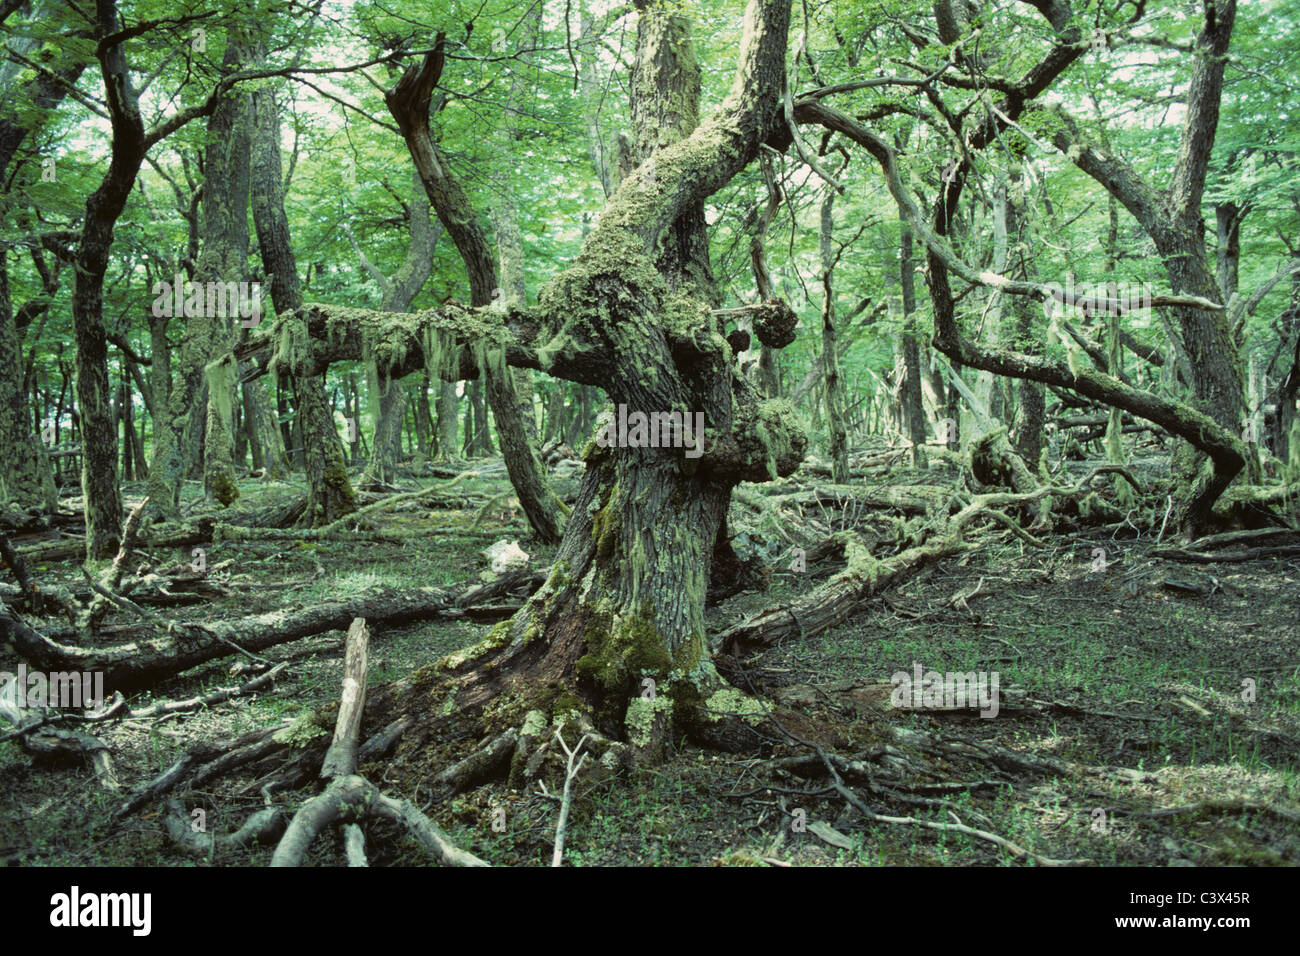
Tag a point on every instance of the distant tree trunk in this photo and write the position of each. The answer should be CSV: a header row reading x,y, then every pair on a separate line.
x,y
329,491
768,377
448,405
602,159
26,478
505,213
265,436
912,405
121,417
472,419
1228,217
554,425
830,352
1030,395
387,397
223,258
26,481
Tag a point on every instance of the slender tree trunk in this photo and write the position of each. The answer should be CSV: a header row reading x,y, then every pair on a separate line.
x,y
913,408
831,361
448,405
223,258
387,397
99,475
409,104
26,481
329,490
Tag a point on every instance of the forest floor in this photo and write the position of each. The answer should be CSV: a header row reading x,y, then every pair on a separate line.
x,y
1137,674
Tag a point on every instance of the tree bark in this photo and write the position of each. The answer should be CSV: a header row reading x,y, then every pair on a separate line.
x,y
26,481
834,382
913,405
409,103
329,490
99,475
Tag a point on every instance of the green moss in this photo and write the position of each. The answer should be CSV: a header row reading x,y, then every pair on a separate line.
x,y
304,730
642,714
606,524
335,477
224,489
495,639
566,702
620,650
729,702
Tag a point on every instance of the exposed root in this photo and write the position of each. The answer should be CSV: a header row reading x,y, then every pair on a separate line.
x,y
264,826
483,764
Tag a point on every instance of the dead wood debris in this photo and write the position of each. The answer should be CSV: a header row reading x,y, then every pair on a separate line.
x,y
349,797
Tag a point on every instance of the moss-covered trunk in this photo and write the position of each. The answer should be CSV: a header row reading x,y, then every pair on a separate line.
x,y
26,481
620,622
618,629
329,492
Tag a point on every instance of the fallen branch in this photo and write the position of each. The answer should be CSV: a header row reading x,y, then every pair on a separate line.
x,y
142,662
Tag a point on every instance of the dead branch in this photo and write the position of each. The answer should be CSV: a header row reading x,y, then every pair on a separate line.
x,y
141,662
571,772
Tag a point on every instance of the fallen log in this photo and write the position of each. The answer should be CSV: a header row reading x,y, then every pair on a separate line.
x,y
866,576
161,537
833,602
140,663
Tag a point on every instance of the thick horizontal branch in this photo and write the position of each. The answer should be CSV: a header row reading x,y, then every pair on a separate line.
x,y
452,342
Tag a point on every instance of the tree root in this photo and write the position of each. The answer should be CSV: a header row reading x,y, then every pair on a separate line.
x,y
483,764
264,826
